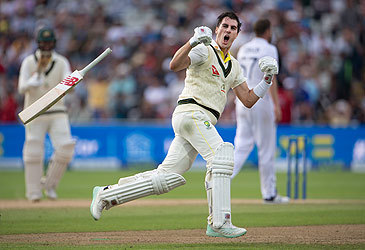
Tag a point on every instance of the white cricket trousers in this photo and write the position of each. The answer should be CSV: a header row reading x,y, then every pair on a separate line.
x,y
257,126
194,133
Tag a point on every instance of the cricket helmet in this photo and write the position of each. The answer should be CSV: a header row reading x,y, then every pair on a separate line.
x,y
46,39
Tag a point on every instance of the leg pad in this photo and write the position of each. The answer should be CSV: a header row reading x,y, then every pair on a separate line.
x,y
219,185
140,185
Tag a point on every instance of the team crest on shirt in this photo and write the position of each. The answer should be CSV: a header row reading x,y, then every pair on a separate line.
x,y
223,88
207,124
215,71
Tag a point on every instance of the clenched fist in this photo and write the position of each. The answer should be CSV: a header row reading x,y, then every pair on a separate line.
x,y
203,35
269,65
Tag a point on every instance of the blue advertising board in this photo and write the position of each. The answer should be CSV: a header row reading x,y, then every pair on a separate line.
x,y
125,144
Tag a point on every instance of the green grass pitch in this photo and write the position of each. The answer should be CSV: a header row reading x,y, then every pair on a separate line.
x,y
336,185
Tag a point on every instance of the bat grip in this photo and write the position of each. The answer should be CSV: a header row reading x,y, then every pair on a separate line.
x,y
96,61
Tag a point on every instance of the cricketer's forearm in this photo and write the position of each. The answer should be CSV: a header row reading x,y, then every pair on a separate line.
x,y
181,60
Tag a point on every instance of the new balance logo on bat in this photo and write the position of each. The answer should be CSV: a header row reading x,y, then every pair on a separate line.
x,y
70,81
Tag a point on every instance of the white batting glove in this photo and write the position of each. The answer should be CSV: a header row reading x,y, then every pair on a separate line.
x,y
203,35
269,66
35,80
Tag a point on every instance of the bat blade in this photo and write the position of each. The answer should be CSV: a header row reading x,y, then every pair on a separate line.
x,y
54,95
50,98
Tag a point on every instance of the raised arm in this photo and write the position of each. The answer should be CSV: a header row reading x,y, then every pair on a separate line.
x,y
181,59
249,97
31,80
245,95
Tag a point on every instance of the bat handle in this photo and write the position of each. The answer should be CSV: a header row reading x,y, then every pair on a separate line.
x,y
96,61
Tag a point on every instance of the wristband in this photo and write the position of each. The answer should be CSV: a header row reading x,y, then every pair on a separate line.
x,y
261,88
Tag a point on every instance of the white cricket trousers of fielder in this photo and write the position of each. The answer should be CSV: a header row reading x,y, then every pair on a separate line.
x,y
257,126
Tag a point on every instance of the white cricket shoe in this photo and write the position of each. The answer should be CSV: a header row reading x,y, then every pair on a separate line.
x,y
35,198
97,205
51,194
277,200
227,231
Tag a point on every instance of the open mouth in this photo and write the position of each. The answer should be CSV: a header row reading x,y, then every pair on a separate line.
x,y
226,38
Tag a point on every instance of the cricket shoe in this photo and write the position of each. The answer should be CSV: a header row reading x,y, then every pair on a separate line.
x,y
227,231
277,200
51,194
97,204
35,198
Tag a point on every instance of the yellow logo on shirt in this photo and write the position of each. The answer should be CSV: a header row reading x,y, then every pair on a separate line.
x,y
207,124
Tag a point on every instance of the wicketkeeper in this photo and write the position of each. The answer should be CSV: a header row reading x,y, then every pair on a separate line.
x,y
39,73
211,73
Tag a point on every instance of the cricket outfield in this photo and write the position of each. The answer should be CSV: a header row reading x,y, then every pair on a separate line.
x,y
333,216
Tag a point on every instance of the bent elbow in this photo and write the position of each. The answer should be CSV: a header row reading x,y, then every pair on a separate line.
x,y
173,66
248,104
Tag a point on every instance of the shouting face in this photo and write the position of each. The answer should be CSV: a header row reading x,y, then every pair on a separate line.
x,y
226,33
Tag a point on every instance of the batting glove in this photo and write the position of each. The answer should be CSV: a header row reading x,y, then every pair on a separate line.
x,y
269,66
203,35
35,80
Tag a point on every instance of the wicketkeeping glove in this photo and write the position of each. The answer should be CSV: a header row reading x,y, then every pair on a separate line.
x,y
203,35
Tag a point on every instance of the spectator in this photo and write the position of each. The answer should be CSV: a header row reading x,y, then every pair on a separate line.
x,y
327,39
339,113
286,103
8,107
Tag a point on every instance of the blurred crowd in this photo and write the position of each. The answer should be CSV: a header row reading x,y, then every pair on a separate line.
x,y
320,43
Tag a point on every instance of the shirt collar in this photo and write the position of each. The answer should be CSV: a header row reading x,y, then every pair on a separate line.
x,y
216,46
260,39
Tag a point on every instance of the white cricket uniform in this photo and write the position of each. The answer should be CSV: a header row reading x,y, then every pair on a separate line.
x,y
208,80
256,125
54,121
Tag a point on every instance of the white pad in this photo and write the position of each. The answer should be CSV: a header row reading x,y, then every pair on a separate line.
x,y
33,151
33,154
141,185
222,169
58,164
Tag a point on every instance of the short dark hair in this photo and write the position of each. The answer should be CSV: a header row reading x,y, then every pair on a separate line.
x,y
230,15
261,26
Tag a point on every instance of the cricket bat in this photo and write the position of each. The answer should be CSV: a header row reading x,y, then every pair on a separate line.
x,y
60,90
